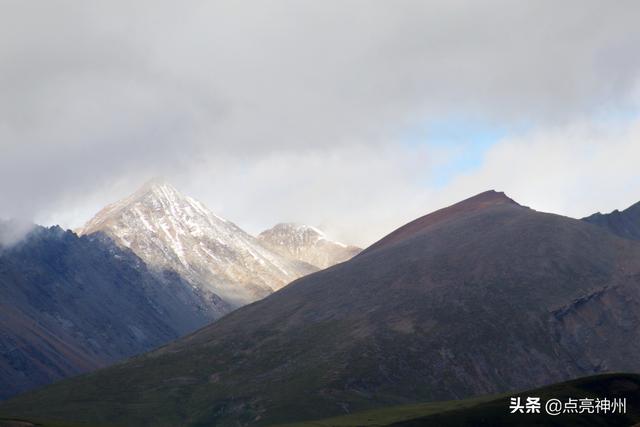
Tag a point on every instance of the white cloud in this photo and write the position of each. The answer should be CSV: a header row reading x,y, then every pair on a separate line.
x,y
98,97
576,169
353,192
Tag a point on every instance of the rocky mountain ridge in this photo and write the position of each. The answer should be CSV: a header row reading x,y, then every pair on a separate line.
x,y
307,244
624,223
170,231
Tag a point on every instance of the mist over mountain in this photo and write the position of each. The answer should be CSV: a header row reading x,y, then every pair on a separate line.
x,y
72,304
311,251
481,297
13,230
147,269
170,231
307,244
624,224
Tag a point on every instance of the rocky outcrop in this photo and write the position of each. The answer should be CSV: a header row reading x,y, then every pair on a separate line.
x,y
307,244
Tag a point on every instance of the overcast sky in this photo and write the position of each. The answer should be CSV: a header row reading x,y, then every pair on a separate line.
x,y
354,116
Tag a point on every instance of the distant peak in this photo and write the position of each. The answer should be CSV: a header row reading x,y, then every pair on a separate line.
x,y
156,191
293,226
156,183
490,197
479,202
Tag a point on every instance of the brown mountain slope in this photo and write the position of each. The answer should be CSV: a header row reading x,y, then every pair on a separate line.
x,y
491,297
418,226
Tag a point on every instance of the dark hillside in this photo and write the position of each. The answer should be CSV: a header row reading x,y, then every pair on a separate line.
x,y
489,297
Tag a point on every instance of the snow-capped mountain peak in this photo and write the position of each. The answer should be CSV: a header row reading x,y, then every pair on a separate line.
x,y
171,231
306,243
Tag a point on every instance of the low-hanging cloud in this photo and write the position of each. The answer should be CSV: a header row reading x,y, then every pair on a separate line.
x,y
13,231
287,105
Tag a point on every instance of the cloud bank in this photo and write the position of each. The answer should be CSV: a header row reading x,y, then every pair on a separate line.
x,y
300,110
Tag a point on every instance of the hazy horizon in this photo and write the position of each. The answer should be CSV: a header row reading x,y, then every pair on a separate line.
x,y
21,228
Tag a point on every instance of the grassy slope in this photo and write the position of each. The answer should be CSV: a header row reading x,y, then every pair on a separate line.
x,y
482,411
493,410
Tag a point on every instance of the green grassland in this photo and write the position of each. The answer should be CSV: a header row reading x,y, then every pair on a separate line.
x,y
481,411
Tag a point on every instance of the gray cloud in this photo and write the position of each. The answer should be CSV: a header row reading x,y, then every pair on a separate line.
x,y
290,106
13,231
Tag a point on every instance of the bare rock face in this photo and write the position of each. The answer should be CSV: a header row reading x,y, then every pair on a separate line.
x,y
170,231
307,244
